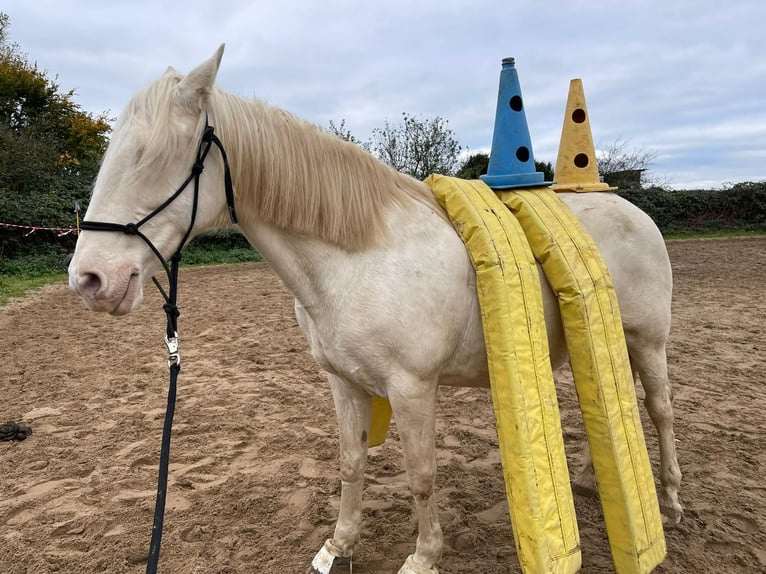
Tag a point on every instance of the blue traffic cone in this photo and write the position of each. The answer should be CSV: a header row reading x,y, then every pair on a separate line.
x,y
511,162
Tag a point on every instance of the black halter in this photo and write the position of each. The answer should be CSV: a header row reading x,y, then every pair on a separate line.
x,y
208,139
171,310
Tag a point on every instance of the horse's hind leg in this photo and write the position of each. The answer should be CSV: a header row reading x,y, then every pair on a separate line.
x,y
414,404
353,408
652,367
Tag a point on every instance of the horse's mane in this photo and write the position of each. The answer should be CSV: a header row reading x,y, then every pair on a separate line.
x,y
293,175
151,123
287,172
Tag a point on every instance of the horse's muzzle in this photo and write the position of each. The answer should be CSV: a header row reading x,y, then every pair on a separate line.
x,y
117,294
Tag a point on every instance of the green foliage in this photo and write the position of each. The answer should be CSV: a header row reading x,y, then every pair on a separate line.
x,y
50,153
46,260
474,166
220,246
546,168
18,286
417,147
740,207
215,247
477,164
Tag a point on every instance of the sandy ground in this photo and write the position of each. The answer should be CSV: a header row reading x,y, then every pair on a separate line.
x,y
254,484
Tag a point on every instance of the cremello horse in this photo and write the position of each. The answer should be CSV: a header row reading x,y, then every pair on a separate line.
x,y
384,290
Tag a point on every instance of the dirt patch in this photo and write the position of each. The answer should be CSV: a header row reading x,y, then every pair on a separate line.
x,y
253,482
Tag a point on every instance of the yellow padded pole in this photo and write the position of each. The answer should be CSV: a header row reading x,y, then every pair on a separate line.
x,y
602,373
524,397
381,417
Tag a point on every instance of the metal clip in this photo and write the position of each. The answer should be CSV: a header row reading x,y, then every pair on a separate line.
x,y
174,357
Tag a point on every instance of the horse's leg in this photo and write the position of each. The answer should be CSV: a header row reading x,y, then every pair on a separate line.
x,y
652,366
585,481
414,406
353,408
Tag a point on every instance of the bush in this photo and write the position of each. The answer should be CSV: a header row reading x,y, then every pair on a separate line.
x,y
741,207
46,260
38,257
220,246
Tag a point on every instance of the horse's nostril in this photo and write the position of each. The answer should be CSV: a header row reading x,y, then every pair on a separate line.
x,y
89,284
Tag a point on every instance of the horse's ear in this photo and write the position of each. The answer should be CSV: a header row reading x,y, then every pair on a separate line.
x,y
195,88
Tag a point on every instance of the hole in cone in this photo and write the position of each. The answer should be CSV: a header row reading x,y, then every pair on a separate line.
x,y
578,116
522,154
581,160
516,104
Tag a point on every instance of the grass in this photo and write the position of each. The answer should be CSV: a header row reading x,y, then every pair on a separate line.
x,y
21,279
722,234
25,275
18,285
195,255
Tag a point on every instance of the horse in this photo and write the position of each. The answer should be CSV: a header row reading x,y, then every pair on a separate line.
x,y
384,290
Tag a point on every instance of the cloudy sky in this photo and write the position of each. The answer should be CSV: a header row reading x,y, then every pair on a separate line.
x,y
683,79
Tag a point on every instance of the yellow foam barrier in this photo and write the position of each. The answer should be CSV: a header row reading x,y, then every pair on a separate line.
x,y
524,397
602,374
381,417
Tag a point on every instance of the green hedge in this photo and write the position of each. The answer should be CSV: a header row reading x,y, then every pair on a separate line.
x,y
741,207
45,253
220,246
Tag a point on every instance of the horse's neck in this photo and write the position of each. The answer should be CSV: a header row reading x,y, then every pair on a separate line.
x,y
308,264
294,176
314,272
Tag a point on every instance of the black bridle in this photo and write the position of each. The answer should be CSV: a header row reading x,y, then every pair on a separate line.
x,y
171,310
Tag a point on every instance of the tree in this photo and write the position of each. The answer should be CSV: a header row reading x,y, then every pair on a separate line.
x,y
474,166
50,149
345,134
4,22
477,164
418,147
546,168
626,168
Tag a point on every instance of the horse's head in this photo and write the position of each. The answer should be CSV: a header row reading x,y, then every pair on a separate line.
x,y
150,155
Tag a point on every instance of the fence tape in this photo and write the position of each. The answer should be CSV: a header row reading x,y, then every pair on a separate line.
x,y
60,231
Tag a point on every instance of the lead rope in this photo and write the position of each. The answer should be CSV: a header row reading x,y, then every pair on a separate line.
x,y
171,312
174,365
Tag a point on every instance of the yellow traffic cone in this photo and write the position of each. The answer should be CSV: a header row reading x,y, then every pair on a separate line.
x,y
576,165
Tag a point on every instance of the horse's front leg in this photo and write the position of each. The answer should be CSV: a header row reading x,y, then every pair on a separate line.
x,y
353,408
414,404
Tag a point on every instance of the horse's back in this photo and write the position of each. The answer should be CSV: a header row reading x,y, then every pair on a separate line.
x,y
635,253
414,304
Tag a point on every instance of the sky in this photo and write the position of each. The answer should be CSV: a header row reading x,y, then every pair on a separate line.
x,y
684,80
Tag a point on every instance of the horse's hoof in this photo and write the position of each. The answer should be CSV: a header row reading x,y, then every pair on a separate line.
x,y
412,567
585,487
327,561
671,515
